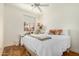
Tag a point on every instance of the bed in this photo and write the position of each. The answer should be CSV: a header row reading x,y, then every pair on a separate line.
x,y
54,46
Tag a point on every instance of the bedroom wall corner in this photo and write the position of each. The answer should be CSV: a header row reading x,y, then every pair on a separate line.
x,y
1,27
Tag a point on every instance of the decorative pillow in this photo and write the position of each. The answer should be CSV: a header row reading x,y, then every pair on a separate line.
x,y
55,31
52,31
59,31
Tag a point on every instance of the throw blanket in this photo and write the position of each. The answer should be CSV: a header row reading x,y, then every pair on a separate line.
x,y
41,37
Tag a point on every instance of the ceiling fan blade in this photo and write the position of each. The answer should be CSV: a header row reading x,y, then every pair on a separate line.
x,y
37,4
39,9
40,4
44,4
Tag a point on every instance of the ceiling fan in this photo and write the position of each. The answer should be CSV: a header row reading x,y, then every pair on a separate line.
x,y
38,5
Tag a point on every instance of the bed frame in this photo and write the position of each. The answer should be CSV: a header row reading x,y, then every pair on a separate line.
x,y
31,53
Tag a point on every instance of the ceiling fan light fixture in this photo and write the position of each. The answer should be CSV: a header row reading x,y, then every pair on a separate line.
x,y
38,6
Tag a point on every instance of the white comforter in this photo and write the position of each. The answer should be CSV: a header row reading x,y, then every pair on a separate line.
x,y
51,47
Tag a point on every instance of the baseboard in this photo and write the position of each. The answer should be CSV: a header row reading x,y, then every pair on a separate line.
x,y
74,50
10,44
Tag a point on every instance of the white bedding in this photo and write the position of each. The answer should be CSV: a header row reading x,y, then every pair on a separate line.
x,y
51,47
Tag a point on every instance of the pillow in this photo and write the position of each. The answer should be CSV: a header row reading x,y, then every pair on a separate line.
x,y
55,31
52,31
59,31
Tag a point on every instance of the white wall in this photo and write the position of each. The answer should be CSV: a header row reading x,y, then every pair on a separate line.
x,y
1,26
72,22
13,24
63,16
53,14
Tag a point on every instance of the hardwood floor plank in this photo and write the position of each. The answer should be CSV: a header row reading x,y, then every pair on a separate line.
x,y
70,54
15,51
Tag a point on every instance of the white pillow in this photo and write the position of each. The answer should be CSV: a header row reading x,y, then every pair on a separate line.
x,y
66,32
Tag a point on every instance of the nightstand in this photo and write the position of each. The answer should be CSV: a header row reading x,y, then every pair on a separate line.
x,y
20,37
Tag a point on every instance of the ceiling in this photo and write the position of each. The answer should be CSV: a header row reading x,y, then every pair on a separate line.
x,y
28,7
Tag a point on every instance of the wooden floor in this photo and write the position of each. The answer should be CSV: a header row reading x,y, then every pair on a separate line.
x,y
70,54
21,51
15,51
